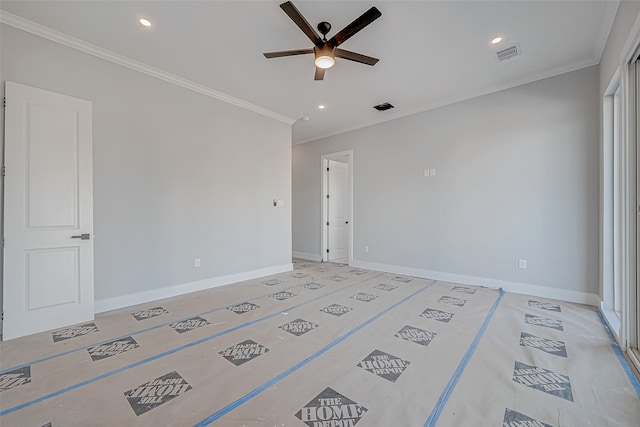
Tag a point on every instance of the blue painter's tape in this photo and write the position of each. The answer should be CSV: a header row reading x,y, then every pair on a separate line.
x,y
448,390
64,353
133,365
169,352
233,405
618,352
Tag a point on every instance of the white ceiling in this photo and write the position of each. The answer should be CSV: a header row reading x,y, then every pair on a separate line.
x,y
432,53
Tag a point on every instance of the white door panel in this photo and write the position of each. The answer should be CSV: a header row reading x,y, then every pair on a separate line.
x,y
48,274
338,204
52,156
46,266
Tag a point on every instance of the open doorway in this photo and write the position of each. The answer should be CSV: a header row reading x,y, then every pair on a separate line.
x,y
337,203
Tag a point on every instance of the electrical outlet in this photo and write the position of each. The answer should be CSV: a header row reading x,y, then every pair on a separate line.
x,y
433,172
522,263
426,172
366,248
196,262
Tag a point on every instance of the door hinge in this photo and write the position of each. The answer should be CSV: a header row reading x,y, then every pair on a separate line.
x,y
327,222
327,196
327,169
4,102
4,170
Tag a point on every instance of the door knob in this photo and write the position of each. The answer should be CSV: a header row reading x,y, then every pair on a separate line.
x,y
85,236
346,222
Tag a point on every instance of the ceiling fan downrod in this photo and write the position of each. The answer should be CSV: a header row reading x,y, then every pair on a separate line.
x,y
324,28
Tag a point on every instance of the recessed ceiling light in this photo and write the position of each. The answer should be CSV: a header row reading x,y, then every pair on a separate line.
x,y
496,40
145,22
322,107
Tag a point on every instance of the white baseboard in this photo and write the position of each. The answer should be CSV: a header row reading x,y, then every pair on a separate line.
x,y
519,288
307,256
185,288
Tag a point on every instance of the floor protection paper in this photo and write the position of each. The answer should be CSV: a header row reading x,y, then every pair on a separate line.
x,y
325,345
543,363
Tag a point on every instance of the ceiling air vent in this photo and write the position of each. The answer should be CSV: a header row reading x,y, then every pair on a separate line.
x,y
508,53
383,107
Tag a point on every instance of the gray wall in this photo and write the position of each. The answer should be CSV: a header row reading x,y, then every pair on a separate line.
x,y
517,177
177,174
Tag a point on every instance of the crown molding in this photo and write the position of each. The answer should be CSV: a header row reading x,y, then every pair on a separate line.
x,y
444,102
91,49
605,30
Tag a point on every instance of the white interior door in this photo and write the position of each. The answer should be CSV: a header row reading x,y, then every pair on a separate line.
x,y
338,206
48,211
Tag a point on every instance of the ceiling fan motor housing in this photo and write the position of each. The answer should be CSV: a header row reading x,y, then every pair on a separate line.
x,y
325,50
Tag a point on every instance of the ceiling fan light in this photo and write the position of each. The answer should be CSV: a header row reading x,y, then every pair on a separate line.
x,y
325,56
325,61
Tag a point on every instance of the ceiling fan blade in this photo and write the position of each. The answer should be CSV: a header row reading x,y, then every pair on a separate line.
x,y
319,74
365,19
287,53
301,22
357,57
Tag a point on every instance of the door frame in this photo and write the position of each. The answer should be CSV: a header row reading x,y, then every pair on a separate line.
x,y
630,331
324,230
633,293
627,330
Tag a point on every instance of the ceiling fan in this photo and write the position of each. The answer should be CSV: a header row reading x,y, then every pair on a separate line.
x,y
327,50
